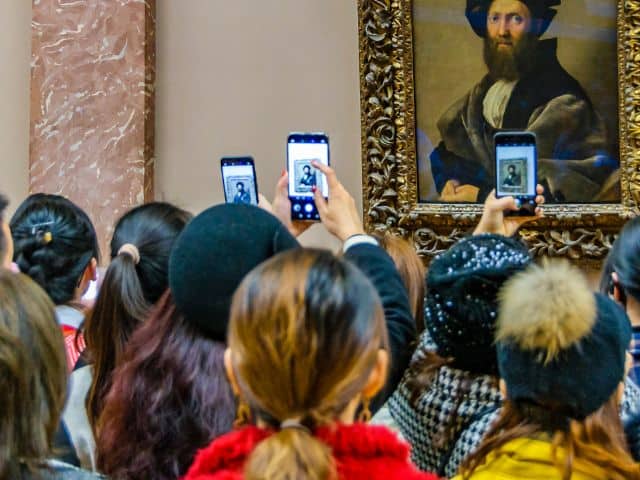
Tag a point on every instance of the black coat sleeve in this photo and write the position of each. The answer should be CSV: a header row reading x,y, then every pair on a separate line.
x,y
378,266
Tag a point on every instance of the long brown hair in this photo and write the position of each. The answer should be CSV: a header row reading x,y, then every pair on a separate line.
x,y
129,290
169,398
596,443
305,331
412,272
32,373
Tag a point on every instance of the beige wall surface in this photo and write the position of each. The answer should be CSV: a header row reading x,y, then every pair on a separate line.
x,y
15,55
235,77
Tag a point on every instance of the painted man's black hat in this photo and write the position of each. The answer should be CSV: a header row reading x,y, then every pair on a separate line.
x,y
476,13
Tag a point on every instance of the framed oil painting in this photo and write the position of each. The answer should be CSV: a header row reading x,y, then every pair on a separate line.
x,y
440,77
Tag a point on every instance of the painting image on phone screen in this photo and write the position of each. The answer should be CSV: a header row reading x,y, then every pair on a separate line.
x,y
239,184
302,176
515,165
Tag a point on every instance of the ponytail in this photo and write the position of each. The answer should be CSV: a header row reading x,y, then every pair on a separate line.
x,y
119,309
133,283
290,453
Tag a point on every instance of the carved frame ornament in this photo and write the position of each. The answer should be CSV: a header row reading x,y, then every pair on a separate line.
x,y
581,232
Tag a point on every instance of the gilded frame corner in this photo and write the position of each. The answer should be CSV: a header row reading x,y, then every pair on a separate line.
x,y
583,233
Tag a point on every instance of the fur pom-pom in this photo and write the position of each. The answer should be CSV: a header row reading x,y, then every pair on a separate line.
x,y
548,308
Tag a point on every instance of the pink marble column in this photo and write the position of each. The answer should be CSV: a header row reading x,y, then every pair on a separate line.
x,y
92,104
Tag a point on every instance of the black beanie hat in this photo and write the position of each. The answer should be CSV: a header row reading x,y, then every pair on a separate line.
x,y
462,298
477,10
560,345
213,254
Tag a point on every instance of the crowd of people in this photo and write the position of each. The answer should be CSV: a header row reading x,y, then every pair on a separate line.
x,y
219,348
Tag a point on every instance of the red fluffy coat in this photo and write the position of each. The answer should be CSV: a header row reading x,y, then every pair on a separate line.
x,y
360,451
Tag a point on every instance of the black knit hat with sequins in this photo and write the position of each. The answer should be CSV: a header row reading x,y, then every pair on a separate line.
x,y
461,304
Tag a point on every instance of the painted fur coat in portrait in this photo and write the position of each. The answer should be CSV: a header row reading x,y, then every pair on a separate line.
x,y
575,163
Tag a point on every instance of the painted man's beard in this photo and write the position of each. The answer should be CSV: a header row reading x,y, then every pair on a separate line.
x,y
510,63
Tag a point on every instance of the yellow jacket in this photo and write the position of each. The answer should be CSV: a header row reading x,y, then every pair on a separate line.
x,y
527,458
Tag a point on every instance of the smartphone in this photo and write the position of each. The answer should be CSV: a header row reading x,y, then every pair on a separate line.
x,y
302,149
239,180
517,169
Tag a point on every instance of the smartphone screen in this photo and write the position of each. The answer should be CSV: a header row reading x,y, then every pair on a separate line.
x,y
239,180
302,149
516,168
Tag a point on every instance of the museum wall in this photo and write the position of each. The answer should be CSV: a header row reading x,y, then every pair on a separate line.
x,y
15,54
235,81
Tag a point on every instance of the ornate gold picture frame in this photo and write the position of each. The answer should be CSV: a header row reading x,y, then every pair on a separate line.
x,y
581,232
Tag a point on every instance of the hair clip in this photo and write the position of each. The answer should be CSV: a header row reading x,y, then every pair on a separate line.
x,y
47,238
38,227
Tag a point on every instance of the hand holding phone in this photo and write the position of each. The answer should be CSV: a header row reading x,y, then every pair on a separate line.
x,y
239,180
516,170
339,212
495,218
304,179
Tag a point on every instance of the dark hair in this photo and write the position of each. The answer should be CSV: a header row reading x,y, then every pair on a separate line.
x,y
301,301
169,398
32,374
3,241
239,183
54,242
129,289
306,167
624,260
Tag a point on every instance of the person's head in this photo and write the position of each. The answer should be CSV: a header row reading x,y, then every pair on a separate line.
x,y
462,298
562,355
511,30
621,273
412,271
511,169
56,245
294,372
136,278
6,242
32,373
240,187
306,169
171,382
169,397
212,256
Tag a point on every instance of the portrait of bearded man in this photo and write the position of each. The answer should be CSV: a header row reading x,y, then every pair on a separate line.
x,y
525,88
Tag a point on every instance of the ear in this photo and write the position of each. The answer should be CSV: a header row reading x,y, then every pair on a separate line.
x,y
620,392
93,269
378,375
617,295
231,375
503,389
8,240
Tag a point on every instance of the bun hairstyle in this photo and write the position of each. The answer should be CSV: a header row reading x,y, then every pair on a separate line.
x,y
295,376
136,278
54,242
32,374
